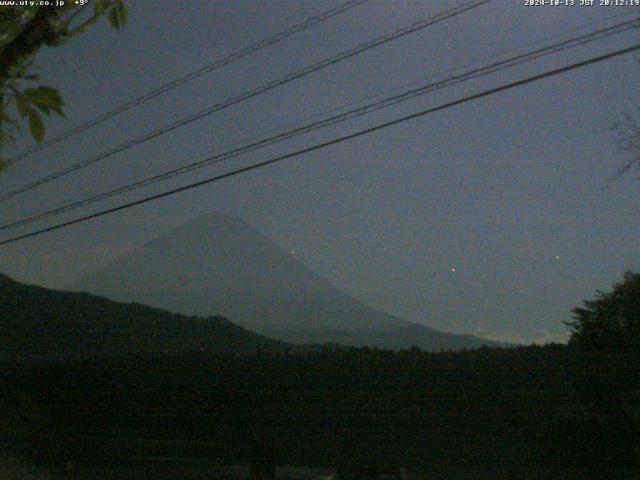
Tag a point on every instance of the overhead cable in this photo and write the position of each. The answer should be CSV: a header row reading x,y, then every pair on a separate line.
x,y
334,141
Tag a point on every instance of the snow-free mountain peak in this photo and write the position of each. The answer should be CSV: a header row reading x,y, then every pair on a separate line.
x,y
218,264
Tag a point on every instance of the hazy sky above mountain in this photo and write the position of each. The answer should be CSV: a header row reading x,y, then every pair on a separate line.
x,y
494,218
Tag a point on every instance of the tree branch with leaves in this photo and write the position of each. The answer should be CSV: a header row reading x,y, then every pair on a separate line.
x,y
24,31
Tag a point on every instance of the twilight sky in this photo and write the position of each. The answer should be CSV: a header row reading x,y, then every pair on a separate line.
x,y
494,218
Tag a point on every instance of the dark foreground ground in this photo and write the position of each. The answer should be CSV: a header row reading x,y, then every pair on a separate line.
x,y
529,412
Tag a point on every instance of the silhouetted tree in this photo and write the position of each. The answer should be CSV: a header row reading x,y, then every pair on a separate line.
x,y
606,333
611,322
627,137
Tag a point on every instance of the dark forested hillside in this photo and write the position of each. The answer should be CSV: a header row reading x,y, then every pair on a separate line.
x,y
38,323
493,413
205,392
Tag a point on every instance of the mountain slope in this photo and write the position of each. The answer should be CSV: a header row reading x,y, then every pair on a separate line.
x,y
38,323
219,263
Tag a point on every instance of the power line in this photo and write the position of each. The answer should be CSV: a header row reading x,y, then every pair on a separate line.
x,y
264,43
252,93
396,88
335,141
508,63
357,112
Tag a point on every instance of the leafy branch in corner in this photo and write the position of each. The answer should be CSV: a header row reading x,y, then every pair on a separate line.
x,y
24,30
